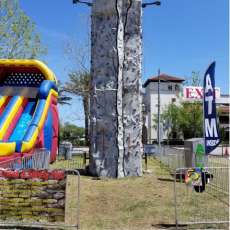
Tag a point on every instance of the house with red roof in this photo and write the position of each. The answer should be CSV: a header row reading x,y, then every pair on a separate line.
x,y
170,91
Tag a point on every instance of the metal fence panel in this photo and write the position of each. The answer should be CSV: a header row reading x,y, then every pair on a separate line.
x,y
207,209
77,162
171,157
38,160
174,157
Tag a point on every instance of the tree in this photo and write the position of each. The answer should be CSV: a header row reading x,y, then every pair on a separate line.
x,y
63,99
194,80
79,78
191,119
185,119
18,38
72,133
79,84
170,120
191,115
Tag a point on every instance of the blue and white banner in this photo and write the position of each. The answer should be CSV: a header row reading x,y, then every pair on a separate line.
x,y
211,132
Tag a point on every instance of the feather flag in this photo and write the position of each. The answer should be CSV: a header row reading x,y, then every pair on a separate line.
x,y
211,132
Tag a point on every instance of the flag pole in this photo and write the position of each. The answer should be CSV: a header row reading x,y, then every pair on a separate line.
x,y
204,144
204,115
158,113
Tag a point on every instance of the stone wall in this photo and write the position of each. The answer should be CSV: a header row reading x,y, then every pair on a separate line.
x,y
32,195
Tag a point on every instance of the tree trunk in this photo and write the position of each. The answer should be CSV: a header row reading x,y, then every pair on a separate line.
x,y
86,111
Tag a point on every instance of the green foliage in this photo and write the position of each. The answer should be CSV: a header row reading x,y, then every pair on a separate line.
x,y
185,119
18,38
191,119
170,118
224,136
72,133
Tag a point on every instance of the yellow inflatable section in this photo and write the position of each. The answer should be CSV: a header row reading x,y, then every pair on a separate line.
x,y
12,101
12,113
2,100
28,63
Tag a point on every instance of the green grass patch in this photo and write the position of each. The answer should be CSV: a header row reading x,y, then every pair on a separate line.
x,y
143,202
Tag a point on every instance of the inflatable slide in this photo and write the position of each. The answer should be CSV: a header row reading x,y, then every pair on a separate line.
x,y
28,109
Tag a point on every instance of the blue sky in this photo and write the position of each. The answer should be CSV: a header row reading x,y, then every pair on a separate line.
x,y
179,37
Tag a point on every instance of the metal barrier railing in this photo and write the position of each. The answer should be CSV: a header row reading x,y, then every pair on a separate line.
x,y
38,160
171,157
204,205
174,158
76,162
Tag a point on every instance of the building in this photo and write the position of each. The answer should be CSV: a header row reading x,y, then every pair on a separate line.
x,y
171,90
191,93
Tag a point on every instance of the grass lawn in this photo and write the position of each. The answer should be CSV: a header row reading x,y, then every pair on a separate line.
x,y
129,203
145,202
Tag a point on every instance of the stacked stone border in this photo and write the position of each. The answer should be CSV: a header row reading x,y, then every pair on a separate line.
x,y
32,195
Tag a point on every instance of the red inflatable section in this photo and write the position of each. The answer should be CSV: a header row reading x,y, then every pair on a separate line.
x,y
55,131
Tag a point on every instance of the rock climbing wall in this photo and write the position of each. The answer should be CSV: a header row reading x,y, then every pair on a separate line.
x,y
131,89
115,105
104,111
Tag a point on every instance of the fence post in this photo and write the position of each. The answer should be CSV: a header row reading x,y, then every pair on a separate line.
x,y
84,159
175,201
146,161
78,197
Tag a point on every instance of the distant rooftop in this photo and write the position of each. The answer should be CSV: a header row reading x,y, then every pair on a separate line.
x,y
225,95
164,77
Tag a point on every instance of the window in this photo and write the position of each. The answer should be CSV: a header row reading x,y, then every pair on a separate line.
x,y
173,100
170,88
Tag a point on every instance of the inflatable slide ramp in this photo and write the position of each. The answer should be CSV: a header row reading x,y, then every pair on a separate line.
x,y
28,108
